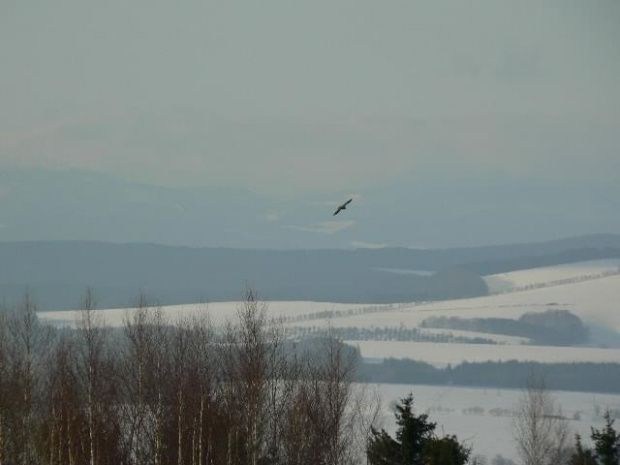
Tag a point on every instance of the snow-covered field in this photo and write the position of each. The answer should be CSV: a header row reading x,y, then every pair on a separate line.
x,y
550,275
489,431
596,301
481,417
498,338
442,354
219,312
588,289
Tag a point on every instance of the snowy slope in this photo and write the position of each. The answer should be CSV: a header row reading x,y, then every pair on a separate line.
x,y
551,275
441,354
596,301
489,432
219,312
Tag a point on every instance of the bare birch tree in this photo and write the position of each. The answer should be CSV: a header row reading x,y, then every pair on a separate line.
x,y
202,348
541,432
245,370
336,371
27,339
142,331
91,361
183,394
63,418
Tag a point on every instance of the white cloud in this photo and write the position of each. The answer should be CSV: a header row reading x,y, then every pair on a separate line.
x,y
335,203
271,216
326,227
179,208
325,203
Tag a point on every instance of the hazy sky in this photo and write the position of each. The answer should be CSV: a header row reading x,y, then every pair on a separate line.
x,y
284,96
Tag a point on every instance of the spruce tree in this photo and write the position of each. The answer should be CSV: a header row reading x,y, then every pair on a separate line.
x,y
415,442
607,442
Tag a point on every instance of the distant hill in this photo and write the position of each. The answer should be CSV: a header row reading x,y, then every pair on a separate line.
x,y
58,272
505,265
38,204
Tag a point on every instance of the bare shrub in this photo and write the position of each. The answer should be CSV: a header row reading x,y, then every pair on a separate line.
x,y
540,430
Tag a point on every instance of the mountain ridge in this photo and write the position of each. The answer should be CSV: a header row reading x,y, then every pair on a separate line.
x,y
57,272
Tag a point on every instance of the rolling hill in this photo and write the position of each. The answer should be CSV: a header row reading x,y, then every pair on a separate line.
x,y
58,272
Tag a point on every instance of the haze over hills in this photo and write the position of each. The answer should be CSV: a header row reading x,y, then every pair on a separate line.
x,y
440,212
58,272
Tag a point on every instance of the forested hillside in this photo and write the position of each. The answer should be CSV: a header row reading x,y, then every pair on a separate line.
x,y
56,272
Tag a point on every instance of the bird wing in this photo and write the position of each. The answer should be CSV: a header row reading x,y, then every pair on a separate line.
x,y
343,206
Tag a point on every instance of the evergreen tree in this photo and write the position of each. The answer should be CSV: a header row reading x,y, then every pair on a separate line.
x,y
606,446
582,456
414,431
383,449
607,442
445,451
415,443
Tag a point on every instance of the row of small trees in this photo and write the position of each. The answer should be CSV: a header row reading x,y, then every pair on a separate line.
x,y
387,333
156,393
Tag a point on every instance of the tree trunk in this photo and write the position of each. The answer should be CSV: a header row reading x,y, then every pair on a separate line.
x,y
91,422
60,438
194,454
1,438
200,428
158,429
180,427
52,427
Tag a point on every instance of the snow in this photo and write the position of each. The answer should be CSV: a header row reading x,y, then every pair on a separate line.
x,y
219,312
596,301
498,338
442,354
550,275
588,289
488,433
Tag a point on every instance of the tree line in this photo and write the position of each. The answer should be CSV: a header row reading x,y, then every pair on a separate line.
x,y
388,333
157,393
188,393
585,377
551,327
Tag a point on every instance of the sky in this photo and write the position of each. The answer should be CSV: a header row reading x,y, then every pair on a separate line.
x,y
293,99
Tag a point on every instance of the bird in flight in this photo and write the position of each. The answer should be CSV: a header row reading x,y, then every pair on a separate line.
x,y
343,206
